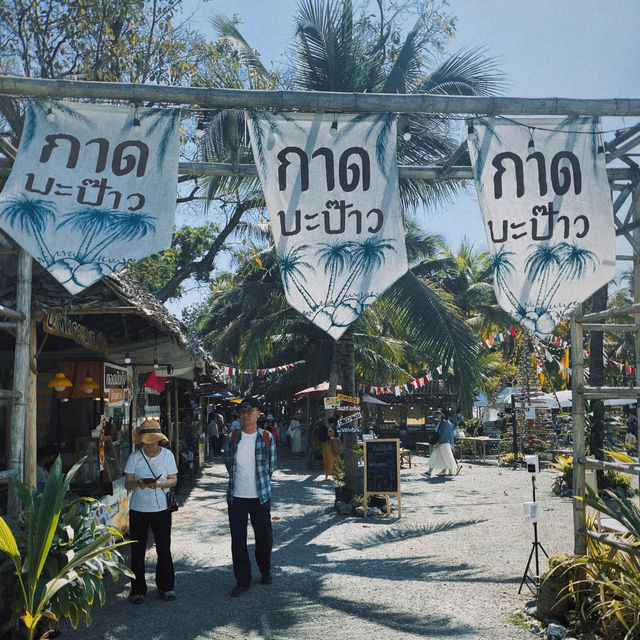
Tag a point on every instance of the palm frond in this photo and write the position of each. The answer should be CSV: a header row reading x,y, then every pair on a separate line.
x,y
466,73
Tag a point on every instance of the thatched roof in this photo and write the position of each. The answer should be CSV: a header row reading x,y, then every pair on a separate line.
x,y
134,320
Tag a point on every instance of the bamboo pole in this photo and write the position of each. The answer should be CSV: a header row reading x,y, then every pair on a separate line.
x,y
609,327
577,410
404,171
597,393
10,313
623,467
30,425
636,299
316,100
610,313
176,424
20,376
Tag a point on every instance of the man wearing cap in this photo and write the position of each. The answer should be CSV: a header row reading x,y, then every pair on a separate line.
x,y
250,458
149,473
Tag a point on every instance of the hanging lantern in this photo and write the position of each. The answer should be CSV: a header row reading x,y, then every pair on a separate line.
x,y
89,386
60,382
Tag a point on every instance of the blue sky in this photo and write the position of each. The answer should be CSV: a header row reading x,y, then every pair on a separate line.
x,y
545,48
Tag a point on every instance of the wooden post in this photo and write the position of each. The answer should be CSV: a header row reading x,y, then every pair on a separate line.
x,y
20,376
635,208
167,397
577,411
30,425
176,424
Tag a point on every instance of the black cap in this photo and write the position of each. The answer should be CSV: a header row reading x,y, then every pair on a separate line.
x,y
440,411
250,403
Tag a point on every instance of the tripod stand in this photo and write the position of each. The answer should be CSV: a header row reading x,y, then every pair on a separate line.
x,y
533,580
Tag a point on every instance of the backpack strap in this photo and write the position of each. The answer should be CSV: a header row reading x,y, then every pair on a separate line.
x,y
265,437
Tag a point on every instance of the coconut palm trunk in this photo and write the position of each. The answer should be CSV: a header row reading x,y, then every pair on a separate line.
x,y
343,372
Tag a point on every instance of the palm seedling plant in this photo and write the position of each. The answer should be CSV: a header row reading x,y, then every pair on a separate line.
x,y
605,582
57,556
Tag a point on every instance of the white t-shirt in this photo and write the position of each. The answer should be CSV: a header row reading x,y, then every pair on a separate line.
x,y
163,464
244,482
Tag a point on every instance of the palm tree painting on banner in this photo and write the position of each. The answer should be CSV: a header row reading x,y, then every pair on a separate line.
x,y
331,188
545,199
92,187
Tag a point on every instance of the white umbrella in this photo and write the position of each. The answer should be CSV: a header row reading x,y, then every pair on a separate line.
x,y
371,400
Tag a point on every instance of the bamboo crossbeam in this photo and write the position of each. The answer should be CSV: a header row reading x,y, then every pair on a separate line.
x,y
610,313
592,326
623,467
602,537
316,100
622,136
404,171
10,313
7,394
603,393
623,149
8,325
7,474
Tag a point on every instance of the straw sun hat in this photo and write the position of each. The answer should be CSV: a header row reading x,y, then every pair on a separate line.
x,y
150,432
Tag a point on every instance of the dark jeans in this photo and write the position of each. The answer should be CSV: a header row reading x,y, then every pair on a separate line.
x,y
239,511
215,445
160,524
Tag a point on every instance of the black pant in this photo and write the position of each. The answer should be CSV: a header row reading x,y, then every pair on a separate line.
x,y
239,511
160,524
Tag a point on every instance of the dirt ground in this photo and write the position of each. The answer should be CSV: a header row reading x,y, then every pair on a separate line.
x,y
450,567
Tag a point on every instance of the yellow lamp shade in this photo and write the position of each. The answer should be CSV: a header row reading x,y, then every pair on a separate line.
x,y
89,386
59,382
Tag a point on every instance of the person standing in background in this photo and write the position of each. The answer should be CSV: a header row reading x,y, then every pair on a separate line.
x,y
442,455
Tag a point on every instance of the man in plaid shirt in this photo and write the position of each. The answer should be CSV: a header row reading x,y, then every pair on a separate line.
x,y
250,458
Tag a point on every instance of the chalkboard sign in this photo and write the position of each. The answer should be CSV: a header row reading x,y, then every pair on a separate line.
x,y
381,472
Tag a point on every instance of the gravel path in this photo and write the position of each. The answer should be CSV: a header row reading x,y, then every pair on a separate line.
x,y
450,567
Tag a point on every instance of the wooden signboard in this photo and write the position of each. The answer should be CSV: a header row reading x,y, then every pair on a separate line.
x,y
382,470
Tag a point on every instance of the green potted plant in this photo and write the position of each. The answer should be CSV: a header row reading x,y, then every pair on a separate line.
x,y
343,494
59,554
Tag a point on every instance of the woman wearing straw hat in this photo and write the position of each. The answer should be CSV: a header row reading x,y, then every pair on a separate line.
x,y
442,456
149,473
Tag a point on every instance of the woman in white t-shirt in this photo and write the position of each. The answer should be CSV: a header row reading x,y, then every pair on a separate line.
x,y
149,473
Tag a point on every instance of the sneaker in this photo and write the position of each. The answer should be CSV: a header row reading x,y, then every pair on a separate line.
x,y
168,596
137,598
266,578
239,589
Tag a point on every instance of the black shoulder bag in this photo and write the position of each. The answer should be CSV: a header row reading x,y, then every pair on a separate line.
x,y
172,503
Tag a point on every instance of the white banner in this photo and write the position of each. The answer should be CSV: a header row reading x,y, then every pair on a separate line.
x,y
331,187
92,187
543,190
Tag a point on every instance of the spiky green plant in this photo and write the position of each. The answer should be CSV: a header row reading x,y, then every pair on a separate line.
x,y
59,553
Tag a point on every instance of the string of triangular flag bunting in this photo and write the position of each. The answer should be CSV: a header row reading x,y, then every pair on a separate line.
x,y
236,371
501,336
397,389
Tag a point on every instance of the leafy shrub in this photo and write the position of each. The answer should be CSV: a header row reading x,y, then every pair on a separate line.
x,y
605,583
59,554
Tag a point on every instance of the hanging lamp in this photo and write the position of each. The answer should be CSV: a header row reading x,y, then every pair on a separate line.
x,y
60,382
89,386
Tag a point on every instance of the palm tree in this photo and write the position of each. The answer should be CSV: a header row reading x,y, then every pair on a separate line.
x,y
290,264
127,226
335,52
335,257
367,255
573,264
539,264
31,214
90,222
